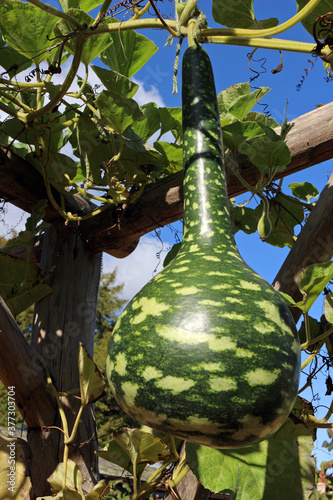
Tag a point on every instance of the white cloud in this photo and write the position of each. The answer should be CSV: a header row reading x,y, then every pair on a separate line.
x,y
145,95
139,267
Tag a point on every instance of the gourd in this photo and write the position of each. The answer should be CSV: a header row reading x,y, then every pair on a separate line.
x,y
207,351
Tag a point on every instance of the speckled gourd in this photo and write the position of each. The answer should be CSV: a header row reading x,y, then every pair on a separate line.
x,y
207,350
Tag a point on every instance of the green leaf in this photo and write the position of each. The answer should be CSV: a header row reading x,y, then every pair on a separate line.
x,y
256,472
116,82
141,447
86,5
316,329
94,44
128,53
285,214
239,99
172,156
322,8
151,122
328,307
236,133
25,28
171,120
92,381
57,165
115,454
21,285
12,470
118,111
74,479
312,282
239,14
171,254
96,493
287,299
266,155
12,61
244,219
304,190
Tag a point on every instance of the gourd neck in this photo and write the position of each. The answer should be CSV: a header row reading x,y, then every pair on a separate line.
x,y
206,204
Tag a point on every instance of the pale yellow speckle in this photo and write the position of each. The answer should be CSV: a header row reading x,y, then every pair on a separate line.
x,y
180,269
148,307
121,363
195,205
218,273
262,377
210,367
195,423
220,287
263,327
189,290
222,384
296,347
235,316
221,344
248,285
233,300
175,384
194,248
150,372
207,204
176,334
208,302
212,258
244,353
191,187
272,312
116,337
130,391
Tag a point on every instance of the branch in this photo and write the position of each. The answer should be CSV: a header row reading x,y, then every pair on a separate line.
x,y
19,367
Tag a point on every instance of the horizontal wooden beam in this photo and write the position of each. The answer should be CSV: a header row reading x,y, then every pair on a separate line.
x,y
117,230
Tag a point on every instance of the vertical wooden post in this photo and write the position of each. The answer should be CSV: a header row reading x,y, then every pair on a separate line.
x,y
61,321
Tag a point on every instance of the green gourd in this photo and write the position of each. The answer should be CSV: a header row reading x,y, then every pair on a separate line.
x,y
207,350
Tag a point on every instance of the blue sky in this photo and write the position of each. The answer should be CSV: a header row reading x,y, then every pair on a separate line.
x,y
230,67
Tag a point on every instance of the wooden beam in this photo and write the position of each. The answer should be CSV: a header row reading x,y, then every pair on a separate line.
x,y
116,231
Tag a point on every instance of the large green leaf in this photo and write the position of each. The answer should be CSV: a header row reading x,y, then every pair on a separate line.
x,y
238,99
21,285
112,80
267,155
151,122
93,46
92,381
13,480
304,190
322,8
25,28
86,5
234,134
118,111
128,52
172,156
285,214
280,467
115,454
239,14
11,60
312,282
